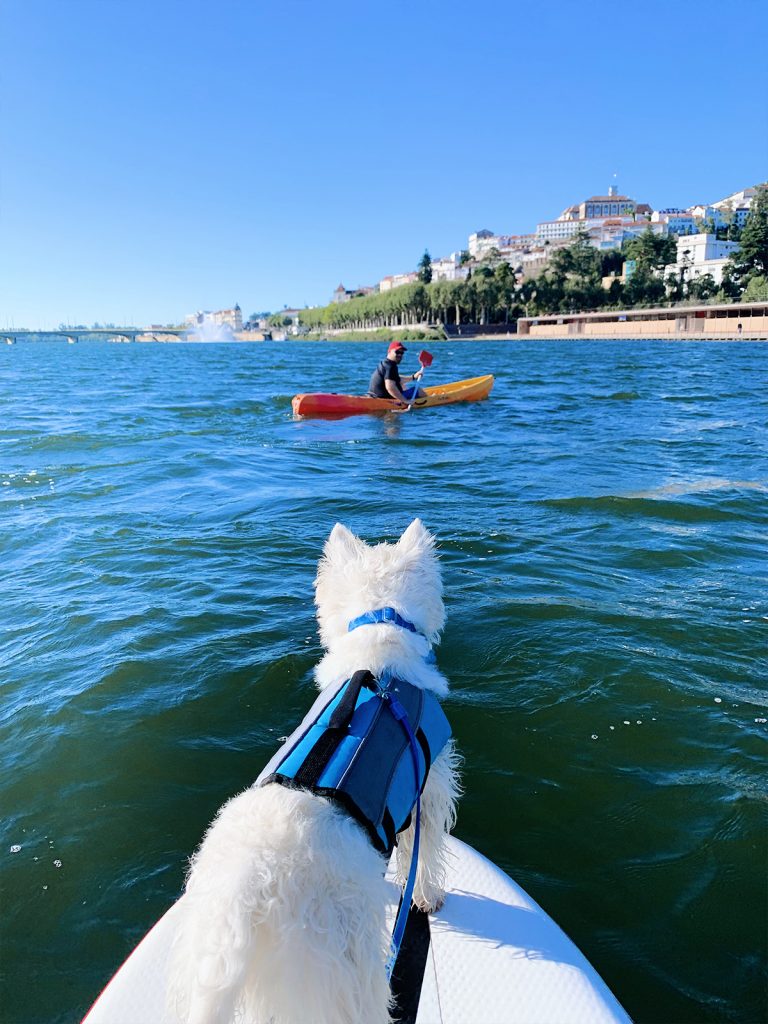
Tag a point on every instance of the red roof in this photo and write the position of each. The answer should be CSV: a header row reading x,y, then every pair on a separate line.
x,y
607,199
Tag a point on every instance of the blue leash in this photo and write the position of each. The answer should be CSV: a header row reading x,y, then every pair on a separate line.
x,y
389,615
401,716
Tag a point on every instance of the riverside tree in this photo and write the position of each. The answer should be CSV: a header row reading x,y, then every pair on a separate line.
x,y
751,258
572,280
702,288
644,288
505,285
425,268
650,251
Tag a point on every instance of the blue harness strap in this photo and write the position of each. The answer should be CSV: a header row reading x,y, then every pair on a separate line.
x,y
401,920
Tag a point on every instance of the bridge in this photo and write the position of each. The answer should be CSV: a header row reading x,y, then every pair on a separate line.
x,y
74,334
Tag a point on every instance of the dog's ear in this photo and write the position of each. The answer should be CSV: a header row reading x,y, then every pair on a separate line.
x,y
417,539
342,545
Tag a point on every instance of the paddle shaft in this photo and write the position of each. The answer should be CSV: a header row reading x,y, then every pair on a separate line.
x,y
425,359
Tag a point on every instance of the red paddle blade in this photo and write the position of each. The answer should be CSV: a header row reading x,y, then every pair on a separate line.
x,y
425,358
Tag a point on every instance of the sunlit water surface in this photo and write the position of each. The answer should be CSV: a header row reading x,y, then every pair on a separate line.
x,y
602,526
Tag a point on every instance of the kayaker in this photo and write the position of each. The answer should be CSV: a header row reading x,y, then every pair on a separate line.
x,y
386,381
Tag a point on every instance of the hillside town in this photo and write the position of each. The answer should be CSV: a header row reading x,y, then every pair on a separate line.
x,y
609,221
692,251
701,239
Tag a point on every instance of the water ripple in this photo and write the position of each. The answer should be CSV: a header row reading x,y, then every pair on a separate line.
x,y
601,523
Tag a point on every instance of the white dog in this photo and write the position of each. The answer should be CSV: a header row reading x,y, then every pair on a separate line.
x,y
283,919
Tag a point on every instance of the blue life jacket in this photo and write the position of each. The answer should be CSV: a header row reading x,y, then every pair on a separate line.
x,y
353,750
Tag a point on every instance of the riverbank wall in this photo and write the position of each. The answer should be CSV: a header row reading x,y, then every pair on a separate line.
x,y
746,321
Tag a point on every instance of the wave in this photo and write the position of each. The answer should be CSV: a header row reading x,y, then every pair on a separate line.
x,y
704,486
617,396
642,507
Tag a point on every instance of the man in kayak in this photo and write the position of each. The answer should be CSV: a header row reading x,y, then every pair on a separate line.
x,y
386,381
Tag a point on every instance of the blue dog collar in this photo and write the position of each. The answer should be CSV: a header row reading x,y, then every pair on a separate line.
x,y
382,615
390,616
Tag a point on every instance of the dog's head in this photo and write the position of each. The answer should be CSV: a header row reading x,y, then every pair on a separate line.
x,y
354,577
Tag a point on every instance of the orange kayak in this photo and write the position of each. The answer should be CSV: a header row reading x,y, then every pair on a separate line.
x,y
472,390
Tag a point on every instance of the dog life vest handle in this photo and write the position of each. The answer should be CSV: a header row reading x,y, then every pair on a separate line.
x,y
401,715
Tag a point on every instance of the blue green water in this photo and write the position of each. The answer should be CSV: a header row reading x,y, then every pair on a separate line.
x,y
602,523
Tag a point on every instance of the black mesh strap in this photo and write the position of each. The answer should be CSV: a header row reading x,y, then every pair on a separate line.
x,y
319,756
388,825
424,744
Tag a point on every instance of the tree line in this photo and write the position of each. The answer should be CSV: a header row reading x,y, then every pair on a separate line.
x,y
571,281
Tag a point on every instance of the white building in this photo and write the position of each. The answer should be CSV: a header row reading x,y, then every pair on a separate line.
x,y
591,215
386,284
342,294
221,318
558,230
449,268
675,222
611,233
738,200
737,205
604,232
612,205
231,317
740,215
480,243
513,248
701,254
508,248
704,212
705,247
600,207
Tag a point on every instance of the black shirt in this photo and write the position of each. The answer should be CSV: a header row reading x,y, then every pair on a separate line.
x,y
386,370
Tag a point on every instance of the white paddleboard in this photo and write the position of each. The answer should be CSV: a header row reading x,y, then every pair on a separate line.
x,y
493,957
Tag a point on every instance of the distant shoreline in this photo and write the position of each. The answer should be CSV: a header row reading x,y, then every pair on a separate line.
x,y
40,338
733,338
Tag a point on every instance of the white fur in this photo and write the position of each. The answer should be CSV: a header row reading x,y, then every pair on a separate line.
x,y
283,920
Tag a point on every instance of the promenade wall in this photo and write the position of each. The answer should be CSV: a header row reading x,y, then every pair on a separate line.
x,y
740,320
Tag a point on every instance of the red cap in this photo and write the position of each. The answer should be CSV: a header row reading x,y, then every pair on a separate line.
x,y
396,346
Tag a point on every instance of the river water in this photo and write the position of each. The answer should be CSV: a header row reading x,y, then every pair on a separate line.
x,y
602,525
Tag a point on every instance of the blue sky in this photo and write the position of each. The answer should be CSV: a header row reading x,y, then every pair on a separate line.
x,y
164,156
